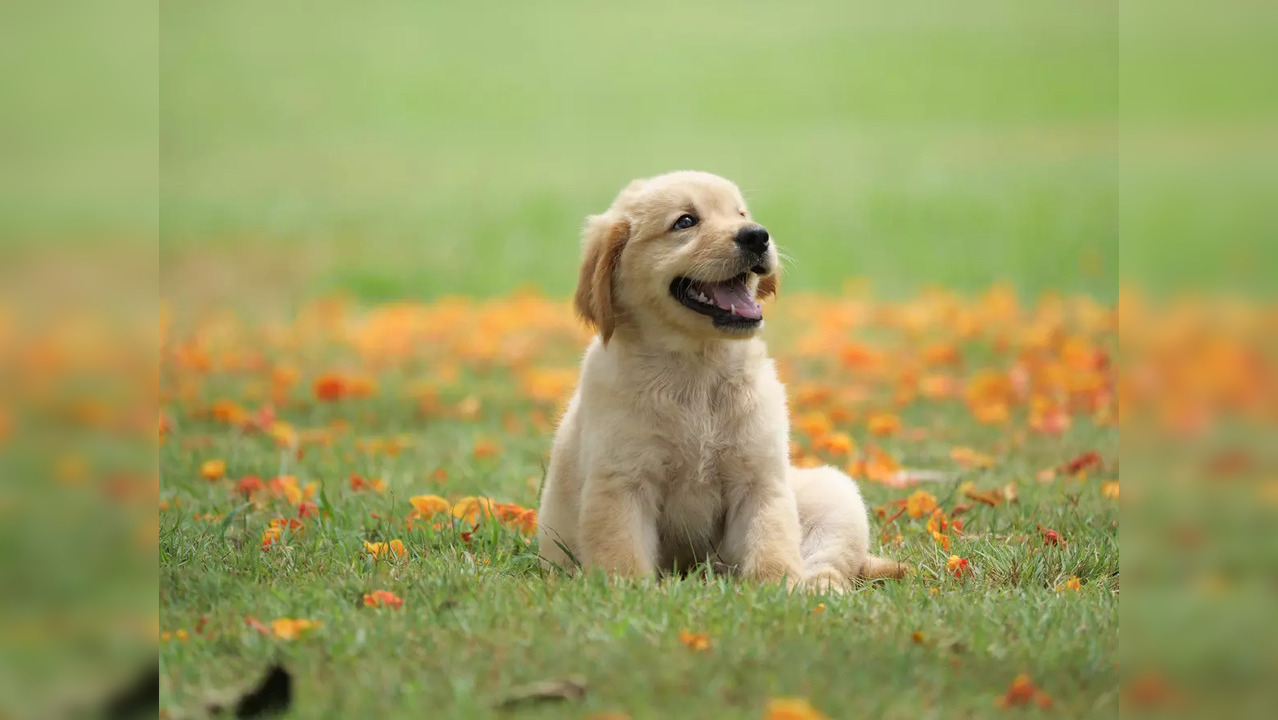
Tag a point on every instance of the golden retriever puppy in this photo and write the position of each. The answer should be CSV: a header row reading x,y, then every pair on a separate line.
x,y
674,448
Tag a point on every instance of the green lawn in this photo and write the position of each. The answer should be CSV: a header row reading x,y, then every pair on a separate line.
x,y
479,618
408,151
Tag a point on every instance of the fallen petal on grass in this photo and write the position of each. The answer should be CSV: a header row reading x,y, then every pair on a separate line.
x,y
1051,537
792,708
1022,692
212,470
699,642
383,599
292,628
429,505
992,497
920,503
384,550
969,458
883,424
1086,461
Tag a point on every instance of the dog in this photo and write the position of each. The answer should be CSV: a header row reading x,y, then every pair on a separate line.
x,y
674,449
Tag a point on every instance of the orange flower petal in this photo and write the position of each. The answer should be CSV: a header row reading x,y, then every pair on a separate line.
x,y
429,505
213,470
792,709
883,424
383,598
697,641
920,503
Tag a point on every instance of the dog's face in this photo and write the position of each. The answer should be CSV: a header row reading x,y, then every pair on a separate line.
x,y
680,250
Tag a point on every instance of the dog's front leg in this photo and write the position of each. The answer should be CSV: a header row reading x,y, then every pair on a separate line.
x,y
762,534
618,526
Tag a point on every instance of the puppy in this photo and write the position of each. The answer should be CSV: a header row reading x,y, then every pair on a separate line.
x,y
674,447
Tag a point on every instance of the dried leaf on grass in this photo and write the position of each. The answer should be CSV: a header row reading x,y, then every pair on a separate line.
x,y
571,688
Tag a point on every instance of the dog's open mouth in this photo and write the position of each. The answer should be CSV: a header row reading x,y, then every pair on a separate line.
x,y
728,302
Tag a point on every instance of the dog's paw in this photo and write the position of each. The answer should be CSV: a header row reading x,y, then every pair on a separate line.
x,y
826,582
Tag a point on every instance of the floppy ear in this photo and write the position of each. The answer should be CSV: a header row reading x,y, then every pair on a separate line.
x,y
604,239
768,286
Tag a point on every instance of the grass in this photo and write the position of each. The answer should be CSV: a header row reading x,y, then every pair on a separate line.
x,y
467,635
395,150
479,618
410,152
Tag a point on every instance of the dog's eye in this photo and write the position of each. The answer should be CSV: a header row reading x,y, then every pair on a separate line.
x,y
684,222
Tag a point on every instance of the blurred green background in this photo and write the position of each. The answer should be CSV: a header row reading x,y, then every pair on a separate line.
x,y
413,149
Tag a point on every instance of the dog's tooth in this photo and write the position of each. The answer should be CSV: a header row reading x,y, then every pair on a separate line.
x,y
732,309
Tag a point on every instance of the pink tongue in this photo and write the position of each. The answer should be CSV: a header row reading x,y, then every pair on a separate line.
x,y
732,293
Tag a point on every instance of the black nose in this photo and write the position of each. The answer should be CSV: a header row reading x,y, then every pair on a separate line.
x,y
753,238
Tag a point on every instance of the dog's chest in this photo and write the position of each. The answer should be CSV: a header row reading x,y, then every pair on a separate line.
x,y
691,525
700,429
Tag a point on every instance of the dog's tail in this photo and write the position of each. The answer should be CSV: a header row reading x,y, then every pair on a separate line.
x,y
877,567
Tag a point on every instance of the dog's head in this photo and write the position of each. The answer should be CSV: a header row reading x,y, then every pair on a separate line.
x,y
679,251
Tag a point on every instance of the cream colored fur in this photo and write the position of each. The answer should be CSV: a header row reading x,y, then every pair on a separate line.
x,y
674,448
